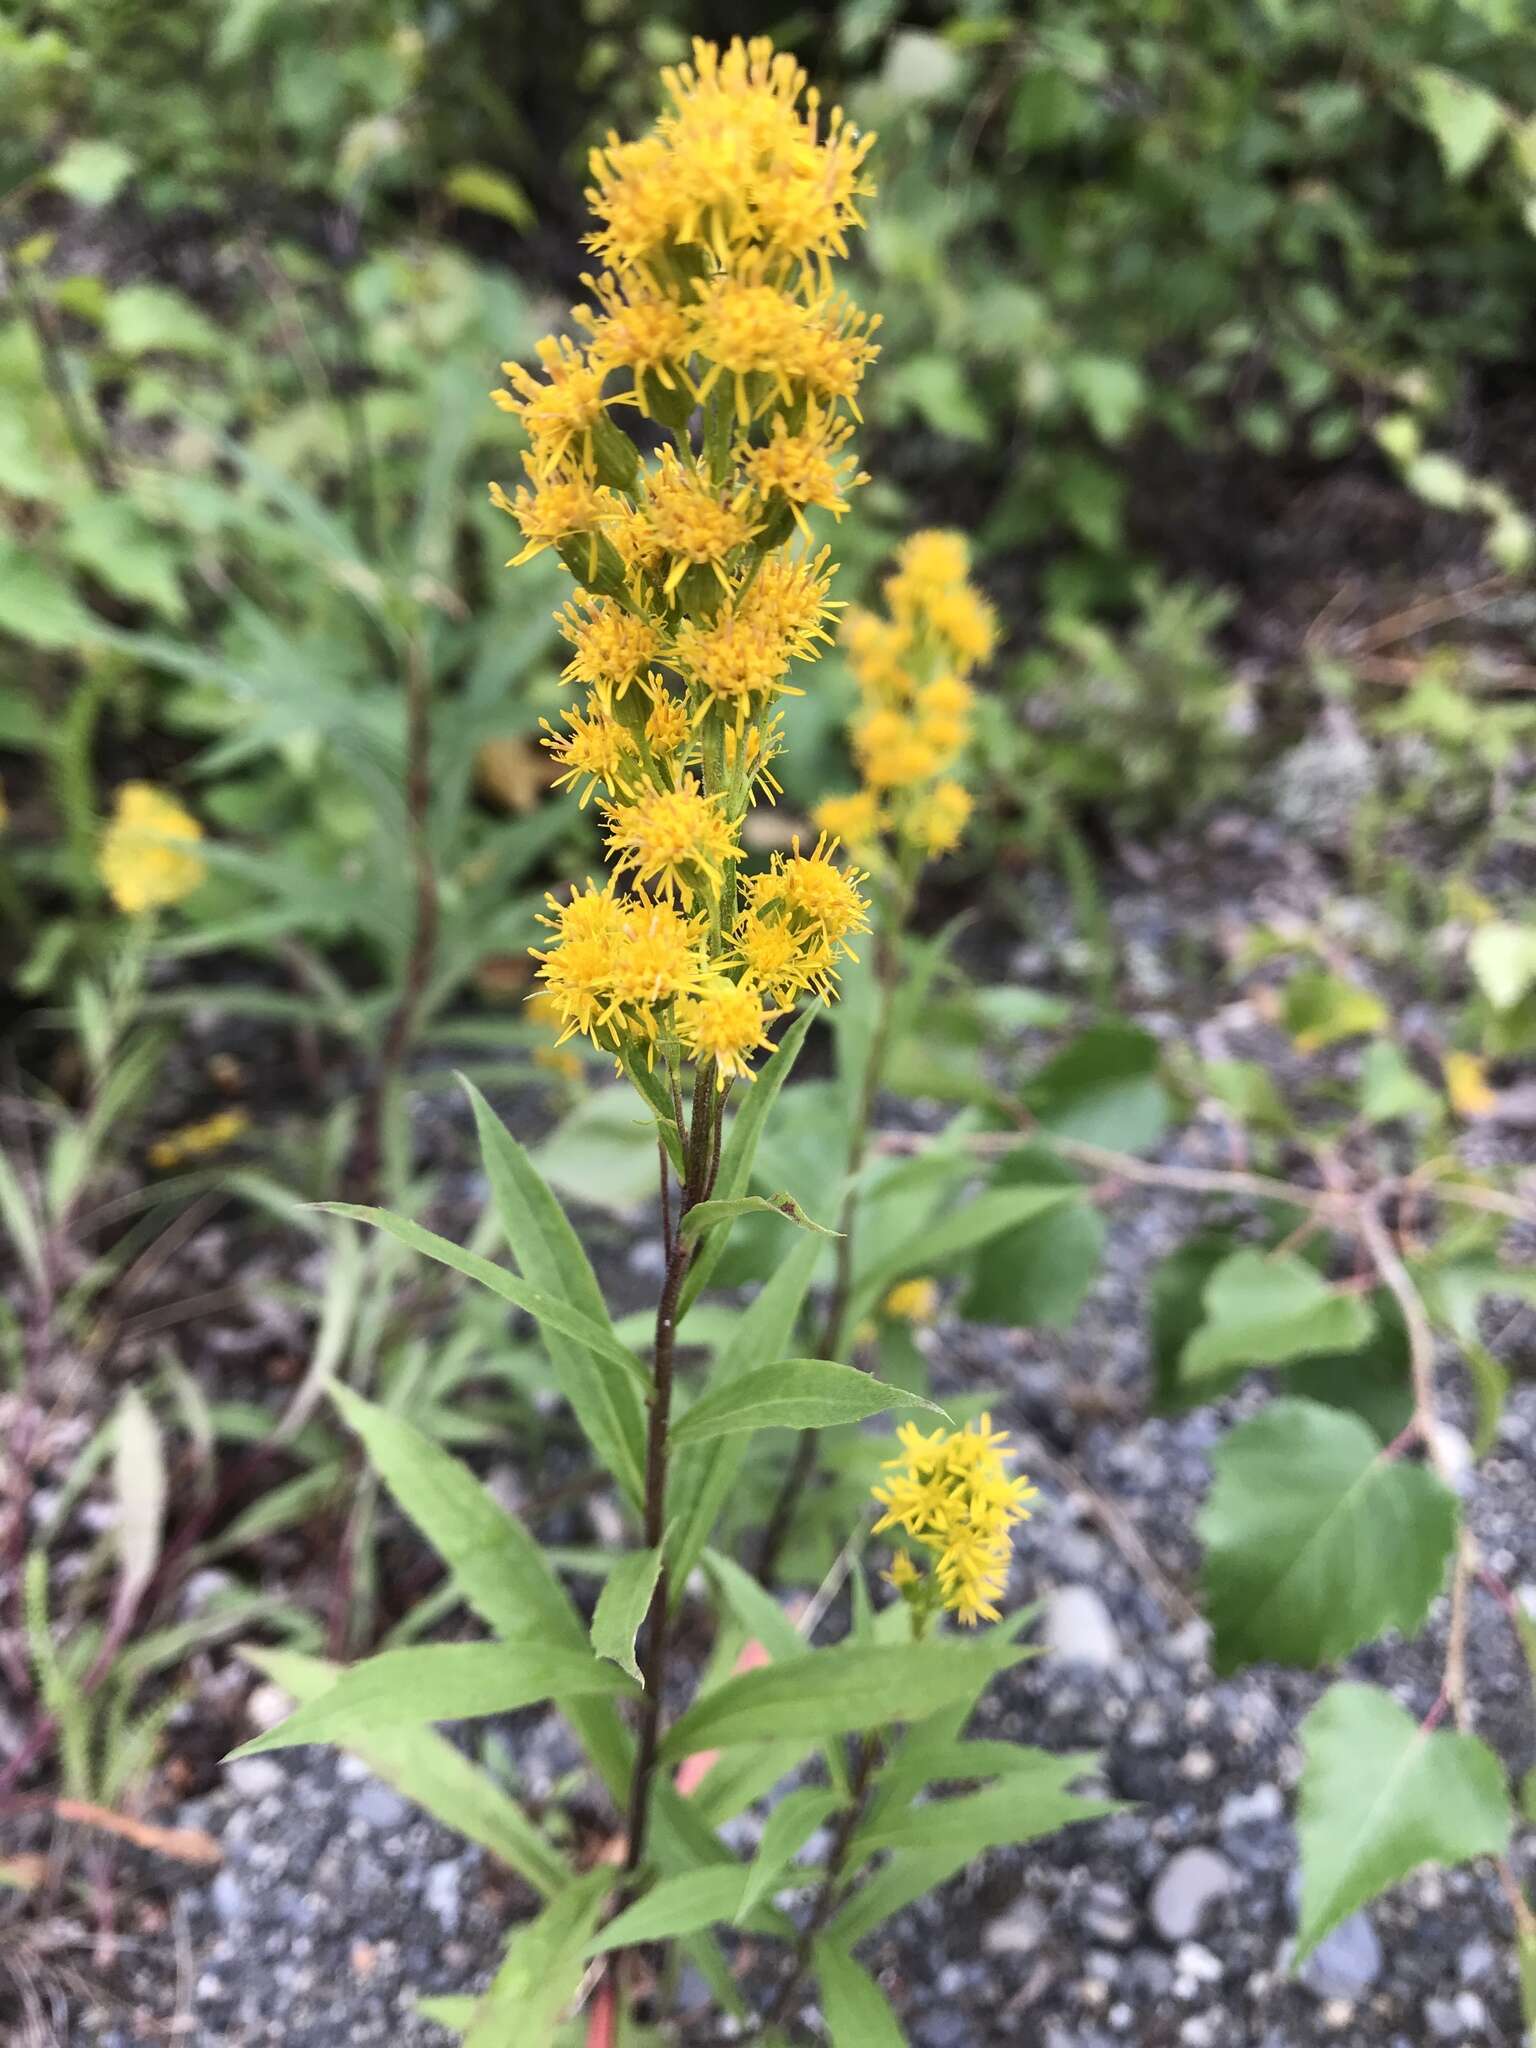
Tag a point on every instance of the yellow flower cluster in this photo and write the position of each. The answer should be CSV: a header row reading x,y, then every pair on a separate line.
x,y
699,585
951,1493
915,718
143,858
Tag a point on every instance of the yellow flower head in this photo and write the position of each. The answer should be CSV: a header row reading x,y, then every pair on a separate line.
x,y
558,412
913,1301
724,1022
805,468
143,858
672,837
558,508
612,645
950,1493
594,752
814,891
688,521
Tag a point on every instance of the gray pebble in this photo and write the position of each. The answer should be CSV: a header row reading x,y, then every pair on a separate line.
x,y
1345,1963
1016,1933
253,1777
1078,1628
1191,1884
440,1893
227,1896
1246,1809
376,1806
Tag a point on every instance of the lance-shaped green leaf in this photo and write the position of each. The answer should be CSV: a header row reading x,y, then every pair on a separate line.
x,y
702,1478
542,1970
1033,1800
439,1682
707,1215
794,1393
852,2003
740,1148
604,1382
832,1692
685,1904
427,1769
622,1605
1315,1542
1268,1309
788,1828
1380,1795
549,1252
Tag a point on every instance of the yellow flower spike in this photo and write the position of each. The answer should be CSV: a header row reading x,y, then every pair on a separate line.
x,y
854,818
937,822
143,859
716,233
951,1494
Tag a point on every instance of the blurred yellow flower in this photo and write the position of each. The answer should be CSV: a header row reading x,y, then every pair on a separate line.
x,y
143,859
1466,1084
913,1301
196,1141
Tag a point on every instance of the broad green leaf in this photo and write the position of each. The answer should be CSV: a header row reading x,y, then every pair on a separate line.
x,y
1267,1309
1320,1008
1374,1381
1465,119
677,1905
91,170
789,1827
1380,1795
144,318
1033,1800
706,1215
427,1769
793,1393
1502,957
38,607
1103,1089
1389,1088
622,1606
832,1692
1110,389
603,1382
740,1147
852,2003
1316,1543
1035,1277
1175,1310
965,1229
549,1252
702,1478
1248,1090
439,1682
542,1970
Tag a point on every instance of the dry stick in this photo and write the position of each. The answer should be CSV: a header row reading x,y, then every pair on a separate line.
x,y
418,971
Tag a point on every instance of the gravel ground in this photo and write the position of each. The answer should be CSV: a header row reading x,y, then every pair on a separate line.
x,y
337,1904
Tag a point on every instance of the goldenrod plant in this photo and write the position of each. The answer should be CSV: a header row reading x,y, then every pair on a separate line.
x,y
676,455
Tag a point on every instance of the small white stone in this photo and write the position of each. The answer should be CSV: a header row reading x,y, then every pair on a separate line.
x,y
268,1705
1078,1628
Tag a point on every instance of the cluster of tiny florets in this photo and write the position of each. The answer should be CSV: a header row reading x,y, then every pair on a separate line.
x,y
679,445
950,1493
913,664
